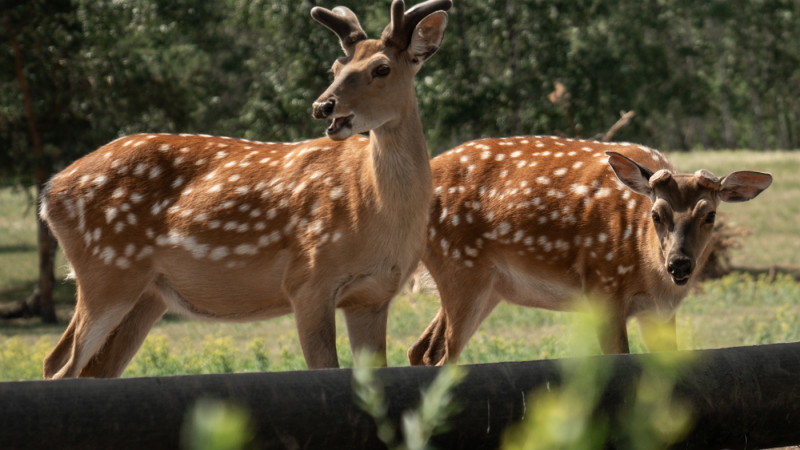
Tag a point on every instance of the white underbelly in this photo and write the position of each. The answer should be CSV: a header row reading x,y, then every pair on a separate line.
x,y
534,290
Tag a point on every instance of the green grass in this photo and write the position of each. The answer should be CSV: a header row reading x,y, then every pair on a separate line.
x,y
736,310
732,311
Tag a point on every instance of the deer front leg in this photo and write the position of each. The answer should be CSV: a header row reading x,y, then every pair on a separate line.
x,y
659,335
613,335
366,328
316,328
313,298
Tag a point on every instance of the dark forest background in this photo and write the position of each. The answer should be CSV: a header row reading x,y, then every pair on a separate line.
x,y
711,74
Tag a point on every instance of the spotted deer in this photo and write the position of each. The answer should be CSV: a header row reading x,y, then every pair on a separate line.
x,y
236,230
540,221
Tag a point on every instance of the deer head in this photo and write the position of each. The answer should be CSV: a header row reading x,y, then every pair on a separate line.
x,y
684,207
374,72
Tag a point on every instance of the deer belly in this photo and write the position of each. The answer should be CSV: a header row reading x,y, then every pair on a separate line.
x,y
535,290
228,294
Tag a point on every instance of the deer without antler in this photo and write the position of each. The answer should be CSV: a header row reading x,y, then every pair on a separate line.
x,y
229,229
540,220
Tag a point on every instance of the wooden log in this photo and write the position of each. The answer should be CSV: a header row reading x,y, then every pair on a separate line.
x,y
745,397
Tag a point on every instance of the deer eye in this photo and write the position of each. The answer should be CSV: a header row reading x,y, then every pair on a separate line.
x,y
656,217
381,71
711,217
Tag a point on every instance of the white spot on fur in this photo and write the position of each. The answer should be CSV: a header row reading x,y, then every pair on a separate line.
x,y
504,228
628,232
155,172
245,249
219,253
107,255
111,213
579,189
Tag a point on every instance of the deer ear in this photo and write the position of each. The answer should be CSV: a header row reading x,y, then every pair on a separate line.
x,y
427,37
743,186
631,173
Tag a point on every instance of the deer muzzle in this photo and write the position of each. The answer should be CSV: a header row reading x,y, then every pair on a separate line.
x,y
680,268
323,109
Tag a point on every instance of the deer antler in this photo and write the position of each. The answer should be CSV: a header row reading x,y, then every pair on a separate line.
x,y
707,179
661,176
342,21
398,32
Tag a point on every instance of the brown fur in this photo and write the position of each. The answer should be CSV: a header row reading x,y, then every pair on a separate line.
x,y
539,221
230,229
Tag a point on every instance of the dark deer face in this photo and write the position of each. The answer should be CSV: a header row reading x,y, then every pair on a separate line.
x,y
684,207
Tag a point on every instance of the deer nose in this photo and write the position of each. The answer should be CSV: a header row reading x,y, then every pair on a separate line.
x,y
322,110
680,267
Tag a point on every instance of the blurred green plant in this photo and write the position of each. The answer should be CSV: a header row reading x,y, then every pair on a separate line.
x,y
417,426
213,424
567,416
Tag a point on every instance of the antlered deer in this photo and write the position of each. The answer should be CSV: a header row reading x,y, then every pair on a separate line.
x,y
230,229
541,220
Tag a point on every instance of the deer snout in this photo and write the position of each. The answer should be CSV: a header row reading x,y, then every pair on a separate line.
x,y
680,267
323,110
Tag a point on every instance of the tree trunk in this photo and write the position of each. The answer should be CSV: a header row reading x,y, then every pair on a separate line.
x,y
728,126
40,303
780,123
42,298
759,140
516,101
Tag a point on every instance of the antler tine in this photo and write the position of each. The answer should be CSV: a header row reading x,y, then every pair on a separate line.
x,y
398,32
342,21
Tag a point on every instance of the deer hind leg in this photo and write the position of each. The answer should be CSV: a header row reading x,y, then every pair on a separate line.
x,y
59,356
467,299
462,323
125,340
429,348
97,313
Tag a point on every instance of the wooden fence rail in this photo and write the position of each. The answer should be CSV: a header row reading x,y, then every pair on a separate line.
x,y
746,397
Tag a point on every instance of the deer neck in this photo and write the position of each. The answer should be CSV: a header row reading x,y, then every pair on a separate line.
x,y
398,166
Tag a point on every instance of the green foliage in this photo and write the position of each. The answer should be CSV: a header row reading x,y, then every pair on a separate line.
x,y
567,415
418,426
20,360
217,425
214,355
